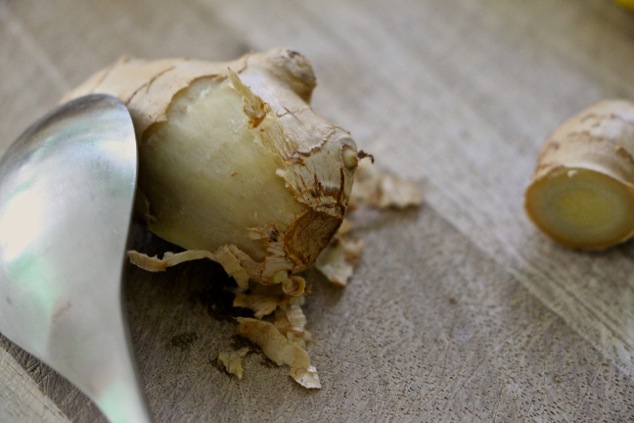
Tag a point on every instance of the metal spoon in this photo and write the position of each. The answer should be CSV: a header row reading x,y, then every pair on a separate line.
x,y
66,192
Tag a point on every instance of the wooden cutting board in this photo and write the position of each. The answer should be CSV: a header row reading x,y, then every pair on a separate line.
x,y
459,310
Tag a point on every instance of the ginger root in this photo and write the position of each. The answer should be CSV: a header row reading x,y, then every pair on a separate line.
x,y
582,191
234,166
233,163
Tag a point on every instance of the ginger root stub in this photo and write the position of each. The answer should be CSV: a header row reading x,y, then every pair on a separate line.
x,y
582,192
233,163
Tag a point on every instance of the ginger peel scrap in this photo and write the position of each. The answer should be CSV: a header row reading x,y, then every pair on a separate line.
x,y
281,350
232,361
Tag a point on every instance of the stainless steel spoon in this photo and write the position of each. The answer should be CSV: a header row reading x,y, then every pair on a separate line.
x,y
66,193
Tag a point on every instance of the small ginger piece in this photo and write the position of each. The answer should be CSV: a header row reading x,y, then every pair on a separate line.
x,y
582,191
261,303
280,350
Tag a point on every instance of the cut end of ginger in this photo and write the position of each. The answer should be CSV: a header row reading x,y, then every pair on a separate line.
x,y
582,208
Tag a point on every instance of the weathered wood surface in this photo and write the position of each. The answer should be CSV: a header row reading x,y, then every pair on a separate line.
x,y
459,311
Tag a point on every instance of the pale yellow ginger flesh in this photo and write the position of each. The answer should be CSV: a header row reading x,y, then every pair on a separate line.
x,y
224,182
582,208
582,193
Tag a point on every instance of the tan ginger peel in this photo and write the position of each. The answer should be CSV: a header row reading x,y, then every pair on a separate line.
x,y
234,165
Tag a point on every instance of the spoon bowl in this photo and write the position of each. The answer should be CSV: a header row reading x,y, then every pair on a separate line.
x,y
67,189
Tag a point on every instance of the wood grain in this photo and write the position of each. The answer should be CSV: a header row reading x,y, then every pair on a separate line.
x,y
21,398
459,311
